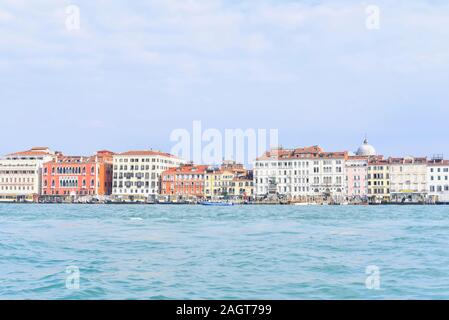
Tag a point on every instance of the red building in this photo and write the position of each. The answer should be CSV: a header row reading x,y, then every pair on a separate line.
x,y
74,176
185,181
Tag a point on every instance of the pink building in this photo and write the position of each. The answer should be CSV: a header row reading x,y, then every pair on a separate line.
x,y
357,182
357,172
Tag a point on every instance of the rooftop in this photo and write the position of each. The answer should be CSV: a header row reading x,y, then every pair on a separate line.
x,y
146,153
312,152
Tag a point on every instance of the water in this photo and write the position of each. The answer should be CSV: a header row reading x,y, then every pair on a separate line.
x,y
248,252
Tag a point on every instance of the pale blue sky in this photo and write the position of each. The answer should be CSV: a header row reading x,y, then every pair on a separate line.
x,y
136,70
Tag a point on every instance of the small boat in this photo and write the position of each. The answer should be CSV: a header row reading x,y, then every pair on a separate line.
x,y
305,204
217,204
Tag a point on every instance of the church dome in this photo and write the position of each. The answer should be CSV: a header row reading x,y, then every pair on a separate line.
x,y
366,149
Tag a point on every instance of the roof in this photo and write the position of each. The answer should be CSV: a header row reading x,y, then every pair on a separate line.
x,y
187,169
74,159
356,158
146,153
407,160
35,151
436,163
366,149
100,156
378,161
313,152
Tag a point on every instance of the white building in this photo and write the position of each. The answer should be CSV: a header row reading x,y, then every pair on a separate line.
x,y
21,174
408,179
136,174
328,176
438,180
301,174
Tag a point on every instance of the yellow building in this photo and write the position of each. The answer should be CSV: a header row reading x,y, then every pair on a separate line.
x,y
408,177
378,181
231,180
244,187
227,185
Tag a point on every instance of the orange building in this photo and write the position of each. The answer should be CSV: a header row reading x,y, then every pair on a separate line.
x,y
186,181
71,177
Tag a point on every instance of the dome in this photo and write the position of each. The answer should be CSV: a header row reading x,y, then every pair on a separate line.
x,y
366,149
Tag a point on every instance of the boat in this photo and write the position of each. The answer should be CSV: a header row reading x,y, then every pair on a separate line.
x,y
305,204
217,204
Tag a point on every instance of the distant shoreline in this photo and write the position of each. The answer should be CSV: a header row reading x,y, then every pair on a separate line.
x,y
235,204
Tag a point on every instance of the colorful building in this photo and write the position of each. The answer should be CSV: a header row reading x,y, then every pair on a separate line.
x,y
21,174
357,178
231,180
244,186
378,180
137,174
212,180
184,182
70,178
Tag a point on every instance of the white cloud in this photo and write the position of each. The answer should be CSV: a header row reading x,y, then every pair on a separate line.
x,y
159,32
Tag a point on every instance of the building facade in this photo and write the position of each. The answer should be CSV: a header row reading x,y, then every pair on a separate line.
x,y
231,181
70,178
284,173
212,180
328,176
184,182
137,174
21,174
378,181
357,178
244,186
302,174
438,180
408,179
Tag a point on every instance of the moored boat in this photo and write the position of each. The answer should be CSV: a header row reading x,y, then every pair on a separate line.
x,y
217,204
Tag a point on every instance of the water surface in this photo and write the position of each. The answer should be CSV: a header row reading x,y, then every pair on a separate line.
x,y
242,252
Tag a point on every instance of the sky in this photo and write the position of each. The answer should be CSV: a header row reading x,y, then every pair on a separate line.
x,y
134,71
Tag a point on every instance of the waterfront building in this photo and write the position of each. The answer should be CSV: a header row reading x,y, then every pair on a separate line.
x,y
284,173
357,172
20,174
226,183
211,182
357,178
244,186
438,180
328,176
77,178
230,180
184,182
137,174
408,179
301,174
378,180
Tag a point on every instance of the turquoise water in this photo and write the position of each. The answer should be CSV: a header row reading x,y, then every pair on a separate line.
x,y
248,252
